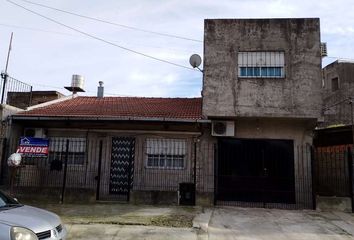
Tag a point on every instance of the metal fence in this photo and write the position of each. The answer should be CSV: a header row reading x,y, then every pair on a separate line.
x,y
15,92
333,170
114,169
126,168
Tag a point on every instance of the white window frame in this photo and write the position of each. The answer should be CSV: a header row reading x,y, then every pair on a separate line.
x,y
165,148
57,145
258,61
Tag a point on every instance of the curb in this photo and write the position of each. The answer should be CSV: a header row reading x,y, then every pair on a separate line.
x,y
201,221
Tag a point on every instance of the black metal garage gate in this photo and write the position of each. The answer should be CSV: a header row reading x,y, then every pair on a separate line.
x,y
261,173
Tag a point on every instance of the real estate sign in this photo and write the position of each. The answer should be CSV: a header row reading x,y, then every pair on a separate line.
x,y
34,147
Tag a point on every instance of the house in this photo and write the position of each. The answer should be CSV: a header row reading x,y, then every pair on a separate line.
x,y
26,99
337,93
246,142
5,112
116,148
261,80
333,138
338,88
16,102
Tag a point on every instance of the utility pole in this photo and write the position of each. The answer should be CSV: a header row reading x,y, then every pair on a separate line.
x,y
4,75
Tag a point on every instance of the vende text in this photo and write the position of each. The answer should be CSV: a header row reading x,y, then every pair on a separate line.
x,y
38,150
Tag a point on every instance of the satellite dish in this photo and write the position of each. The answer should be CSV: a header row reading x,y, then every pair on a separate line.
x,y
195,60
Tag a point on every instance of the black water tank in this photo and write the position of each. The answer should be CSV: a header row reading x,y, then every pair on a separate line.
x,y
187,194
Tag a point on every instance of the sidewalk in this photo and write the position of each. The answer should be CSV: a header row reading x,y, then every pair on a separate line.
x,y
115,232
276,224
125,214
126,221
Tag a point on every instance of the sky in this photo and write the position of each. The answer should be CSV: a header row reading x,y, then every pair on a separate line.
x,y
45,54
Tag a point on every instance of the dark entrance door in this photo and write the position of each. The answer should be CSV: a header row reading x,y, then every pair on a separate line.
x,y
122,165
255,170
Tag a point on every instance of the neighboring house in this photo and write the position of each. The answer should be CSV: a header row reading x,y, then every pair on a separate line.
x,y
337,91
149,147
5,112
333,137
262,79
338,88
18,101
27,99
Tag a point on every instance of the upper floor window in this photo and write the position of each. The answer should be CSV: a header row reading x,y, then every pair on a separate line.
x,y
165,153
261,64
335,84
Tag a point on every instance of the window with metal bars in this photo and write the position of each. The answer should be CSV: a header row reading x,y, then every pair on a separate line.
x,y
76,151
57,152
261,64
165,153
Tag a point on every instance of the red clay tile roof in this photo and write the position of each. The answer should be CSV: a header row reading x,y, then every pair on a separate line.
x,y
122,107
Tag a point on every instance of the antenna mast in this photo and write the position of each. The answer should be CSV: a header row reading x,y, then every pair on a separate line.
x,y
4,75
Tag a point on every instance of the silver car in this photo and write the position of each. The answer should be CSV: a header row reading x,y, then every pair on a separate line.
x,y
21,222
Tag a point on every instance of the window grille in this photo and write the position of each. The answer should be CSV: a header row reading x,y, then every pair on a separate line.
x,y
57,152
165,153
261,64
76,151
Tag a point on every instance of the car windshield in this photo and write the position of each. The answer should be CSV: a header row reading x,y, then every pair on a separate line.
x,y
6,201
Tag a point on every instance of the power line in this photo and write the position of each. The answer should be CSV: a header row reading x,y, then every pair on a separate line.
x,y
112,23
101,39
347,100
34,29
73,35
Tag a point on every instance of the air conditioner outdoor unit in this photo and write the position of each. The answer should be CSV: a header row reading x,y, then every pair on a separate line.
x,y
223,128
35,132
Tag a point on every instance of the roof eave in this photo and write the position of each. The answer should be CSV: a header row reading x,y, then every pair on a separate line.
x,y
91,118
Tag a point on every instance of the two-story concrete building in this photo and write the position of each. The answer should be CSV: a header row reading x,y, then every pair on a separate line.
x,y
246,142
261,89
